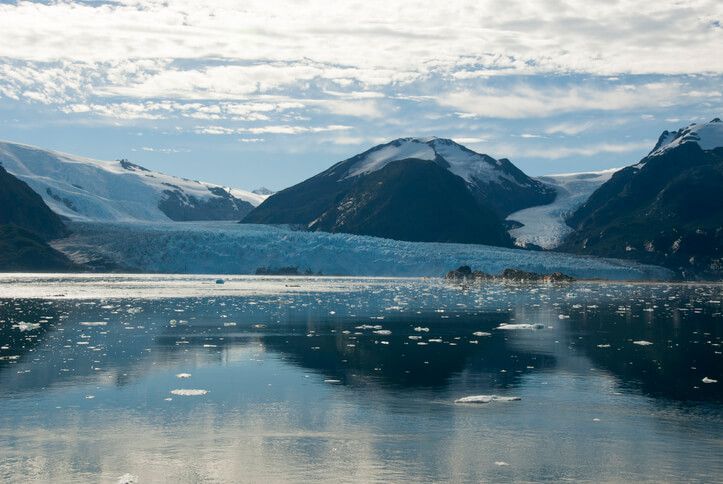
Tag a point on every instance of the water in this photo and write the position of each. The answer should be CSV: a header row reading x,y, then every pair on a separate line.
x,y
293,384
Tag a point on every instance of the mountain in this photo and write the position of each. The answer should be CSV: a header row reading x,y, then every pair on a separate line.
x,y
23,250
667,209
92,190
412,189
545,226
26,223
22,207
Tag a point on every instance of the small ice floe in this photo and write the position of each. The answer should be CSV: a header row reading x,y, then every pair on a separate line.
x,y
383,332
421,329
188,392
481,333
486,399
596,420
332,381
89,397
501,463
22,326
642,342
94,323
127,479
515,326
709,380
183,375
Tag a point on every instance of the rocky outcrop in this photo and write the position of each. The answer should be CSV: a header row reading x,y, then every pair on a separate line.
x,y
466,274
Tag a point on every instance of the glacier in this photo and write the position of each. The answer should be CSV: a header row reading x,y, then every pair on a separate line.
x,y
231,248
85,189
544,225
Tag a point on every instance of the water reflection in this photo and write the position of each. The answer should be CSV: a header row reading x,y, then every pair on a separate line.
x,y
340,384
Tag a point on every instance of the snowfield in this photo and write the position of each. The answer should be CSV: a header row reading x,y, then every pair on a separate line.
x,y
93,190
709,136
462,162
231,248
544,225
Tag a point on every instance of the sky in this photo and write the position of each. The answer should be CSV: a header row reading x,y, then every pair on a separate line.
x,y
267,93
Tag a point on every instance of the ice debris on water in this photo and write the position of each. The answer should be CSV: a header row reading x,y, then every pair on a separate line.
x,y
183,392
501,463
514,326
486,399
22,326
127,479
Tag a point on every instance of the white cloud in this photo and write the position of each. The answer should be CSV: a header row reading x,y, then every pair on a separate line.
x,y
525,101
271,129
556,152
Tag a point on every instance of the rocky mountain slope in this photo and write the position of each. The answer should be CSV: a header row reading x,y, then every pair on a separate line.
x,y
410,189
667,209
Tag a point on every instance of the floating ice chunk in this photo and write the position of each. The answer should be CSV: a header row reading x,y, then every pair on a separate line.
x,y
642,342
89,397
22,326
183,375
501,463
709,380
94,323
481,333
486,399
383,332
127,479
183,392
515,326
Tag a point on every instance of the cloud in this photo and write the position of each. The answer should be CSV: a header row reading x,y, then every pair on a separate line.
x,y
271,129
527,101
557,152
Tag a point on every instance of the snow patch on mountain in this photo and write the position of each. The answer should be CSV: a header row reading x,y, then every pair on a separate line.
x,y
86,189
394,151
708,136
472,167
544,225
230,248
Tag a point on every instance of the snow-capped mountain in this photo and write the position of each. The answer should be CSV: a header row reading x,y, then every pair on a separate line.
x,y
86,189
545,226
666,209
419,189
708,136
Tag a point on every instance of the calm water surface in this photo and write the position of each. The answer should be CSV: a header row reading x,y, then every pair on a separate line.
x,y
179,379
